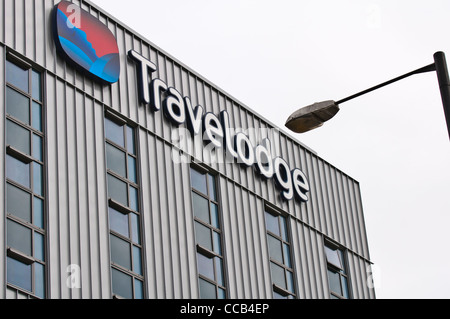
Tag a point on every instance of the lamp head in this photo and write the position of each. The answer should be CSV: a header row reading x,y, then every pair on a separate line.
x,y
312,116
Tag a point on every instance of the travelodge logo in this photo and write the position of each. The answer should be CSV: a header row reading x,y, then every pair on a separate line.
x,y
86,42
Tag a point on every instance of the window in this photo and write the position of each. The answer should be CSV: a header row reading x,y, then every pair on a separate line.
x,y
123,209
337,272
25,198
208,233
280,256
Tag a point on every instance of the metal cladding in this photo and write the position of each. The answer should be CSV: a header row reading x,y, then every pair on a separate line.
x,y
76,182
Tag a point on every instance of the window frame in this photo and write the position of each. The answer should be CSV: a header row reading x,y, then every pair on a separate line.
x,y
200,249
276,288
124,149
341,272
126,210
36,192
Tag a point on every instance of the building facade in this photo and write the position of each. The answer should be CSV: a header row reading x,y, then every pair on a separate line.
x,y
125,174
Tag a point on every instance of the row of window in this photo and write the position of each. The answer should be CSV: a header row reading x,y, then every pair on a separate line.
x,y
25,204
124,217
210,250
26,234
208,235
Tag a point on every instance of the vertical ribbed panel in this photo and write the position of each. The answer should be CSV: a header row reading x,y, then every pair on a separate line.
x,y
78,230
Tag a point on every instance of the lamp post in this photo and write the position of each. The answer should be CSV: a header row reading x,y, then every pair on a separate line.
x,y
313,116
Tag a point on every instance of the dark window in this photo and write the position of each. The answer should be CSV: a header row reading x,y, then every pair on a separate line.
x,y
208,235
116,160
117,190
18,76
36,85
280,256
115,132
18,171
337,272
18,137
18,105
19,274
19,237
36,116
122,284
25,198
124,217
18,203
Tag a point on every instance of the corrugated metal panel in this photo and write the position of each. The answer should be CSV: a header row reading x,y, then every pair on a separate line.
x,y
168,221
78,229
77,223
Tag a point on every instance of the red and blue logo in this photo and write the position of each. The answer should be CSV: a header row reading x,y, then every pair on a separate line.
x,y
86,42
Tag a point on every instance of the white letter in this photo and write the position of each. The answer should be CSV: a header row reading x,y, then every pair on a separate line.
x,y
143,66
74,20
174,107
74,280
244,149
194,119
373,276
181,139
301,185
283,177
227,130
156,86
212,129
264,164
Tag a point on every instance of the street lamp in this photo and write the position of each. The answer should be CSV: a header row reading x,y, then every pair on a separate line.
x,y
313,116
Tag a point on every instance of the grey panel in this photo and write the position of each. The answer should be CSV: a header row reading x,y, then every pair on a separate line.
x,y
76,192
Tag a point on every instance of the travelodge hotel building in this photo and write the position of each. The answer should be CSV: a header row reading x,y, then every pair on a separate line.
x,y
125,174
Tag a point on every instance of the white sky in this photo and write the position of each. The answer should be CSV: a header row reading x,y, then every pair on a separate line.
x,y
277,56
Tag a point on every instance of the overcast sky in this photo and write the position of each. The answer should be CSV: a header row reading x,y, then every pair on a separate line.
x,y
277,56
